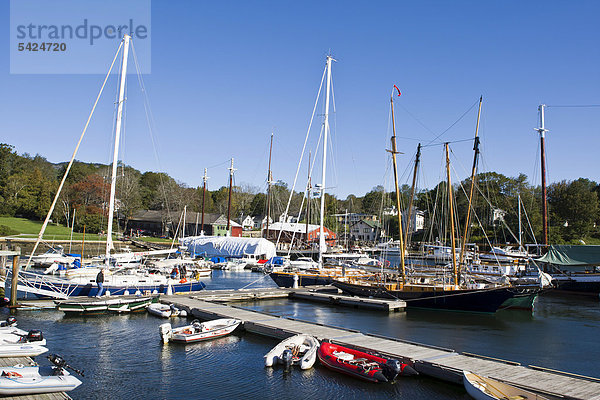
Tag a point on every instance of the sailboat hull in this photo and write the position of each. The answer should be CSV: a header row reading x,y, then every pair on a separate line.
x,y
484,301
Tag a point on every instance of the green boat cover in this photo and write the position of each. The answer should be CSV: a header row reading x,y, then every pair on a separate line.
x,y
572,255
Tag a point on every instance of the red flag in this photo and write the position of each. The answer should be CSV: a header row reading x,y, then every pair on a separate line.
x,y
397,90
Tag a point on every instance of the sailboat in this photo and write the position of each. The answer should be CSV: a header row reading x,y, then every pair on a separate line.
x,y
116,283
449,293
306,273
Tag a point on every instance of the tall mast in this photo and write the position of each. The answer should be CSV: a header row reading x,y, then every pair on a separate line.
x,y
451,206
308,189
520,232
184,221
204,179
322,242
473,177
231,171
412,196
394,152
113,181
269,181
542,131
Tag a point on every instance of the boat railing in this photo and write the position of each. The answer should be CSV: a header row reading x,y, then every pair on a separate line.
x,y
31,282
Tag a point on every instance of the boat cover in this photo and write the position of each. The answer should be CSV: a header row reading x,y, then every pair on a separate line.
x,y
572,255
227,246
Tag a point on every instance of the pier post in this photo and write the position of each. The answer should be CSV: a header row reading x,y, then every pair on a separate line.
x,y
15,277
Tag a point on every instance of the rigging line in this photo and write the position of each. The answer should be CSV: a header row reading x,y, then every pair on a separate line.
x,y
416,119
62,182
150,122
576,106
455,122
303,148
220,164
449,142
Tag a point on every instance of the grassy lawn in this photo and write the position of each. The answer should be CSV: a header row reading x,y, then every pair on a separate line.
x,y
28,228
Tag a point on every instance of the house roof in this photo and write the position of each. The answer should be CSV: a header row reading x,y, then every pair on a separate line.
x,y
369,223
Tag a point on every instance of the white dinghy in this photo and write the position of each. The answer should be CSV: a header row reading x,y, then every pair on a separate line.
x,y
21,350
165,310
19,336
296,350
198,331
482,388
21,379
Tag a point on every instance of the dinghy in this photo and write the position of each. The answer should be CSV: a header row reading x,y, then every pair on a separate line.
x,y
362,365
197,331
21,350
19,336
165,310
21,379
482,388
296,350
103,305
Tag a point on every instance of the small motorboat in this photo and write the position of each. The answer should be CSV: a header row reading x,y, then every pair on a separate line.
x,y
482,388
9,323
362,365
21,350
22,379
19,336
198,331
119,305
296,350
165,310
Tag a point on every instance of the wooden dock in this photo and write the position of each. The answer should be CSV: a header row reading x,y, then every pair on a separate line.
x,y
12,361
441,363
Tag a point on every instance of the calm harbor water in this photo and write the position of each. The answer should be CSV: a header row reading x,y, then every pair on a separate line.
x,y
124,358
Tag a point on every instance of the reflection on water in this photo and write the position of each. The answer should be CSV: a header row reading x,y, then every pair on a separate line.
x,y
124,358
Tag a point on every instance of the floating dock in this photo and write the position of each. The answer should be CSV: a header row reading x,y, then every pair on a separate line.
x,y
437,362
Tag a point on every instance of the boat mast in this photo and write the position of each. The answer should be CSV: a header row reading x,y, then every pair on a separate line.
x,y
231,171
113,181
473,177
269,181
322,243
449,184
542,131
412,196
394,152
184,221
308,189
520,232
204,179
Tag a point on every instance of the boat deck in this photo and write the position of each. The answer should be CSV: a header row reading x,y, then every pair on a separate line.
x,y
441,363
11,361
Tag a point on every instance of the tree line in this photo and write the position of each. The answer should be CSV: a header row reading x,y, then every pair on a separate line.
x,y
28,185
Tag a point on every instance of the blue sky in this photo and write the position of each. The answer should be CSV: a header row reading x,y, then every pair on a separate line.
x,y
224,75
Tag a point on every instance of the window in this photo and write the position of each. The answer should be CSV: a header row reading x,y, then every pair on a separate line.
x,y
365,230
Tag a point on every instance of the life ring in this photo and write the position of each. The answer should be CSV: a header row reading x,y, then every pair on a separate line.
x,y
183,280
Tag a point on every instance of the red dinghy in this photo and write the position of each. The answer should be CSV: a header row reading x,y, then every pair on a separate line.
x,y
362,365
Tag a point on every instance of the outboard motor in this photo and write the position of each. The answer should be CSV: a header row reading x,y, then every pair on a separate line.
x,y
286,359
165,331
10,321
34,335
60,365
393,368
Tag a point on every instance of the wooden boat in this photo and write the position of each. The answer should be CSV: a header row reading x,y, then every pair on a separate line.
x,y
362,365
106,305
21,379
482,388
198,331
296,350
165,310
21,350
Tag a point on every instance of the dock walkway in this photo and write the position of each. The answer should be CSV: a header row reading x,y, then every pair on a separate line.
x,y
445,364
